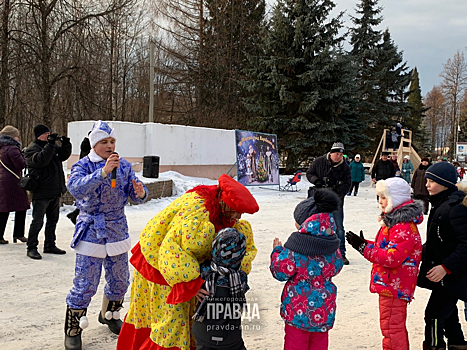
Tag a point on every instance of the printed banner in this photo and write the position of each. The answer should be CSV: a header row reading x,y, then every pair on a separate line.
x,y
257,158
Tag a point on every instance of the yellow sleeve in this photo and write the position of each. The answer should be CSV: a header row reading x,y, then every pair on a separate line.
x,y
184,246
244,227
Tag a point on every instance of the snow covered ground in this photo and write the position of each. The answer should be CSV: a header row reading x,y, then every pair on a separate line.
x,y
32,304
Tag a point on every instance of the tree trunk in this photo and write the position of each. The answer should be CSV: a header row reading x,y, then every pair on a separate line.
x,y
4,83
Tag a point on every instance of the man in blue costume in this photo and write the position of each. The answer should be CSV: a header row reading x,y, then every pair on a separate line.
x,y
101,236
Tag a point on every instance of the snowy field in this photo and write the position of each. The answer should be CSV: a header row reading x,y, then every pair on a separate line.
x,y
32,304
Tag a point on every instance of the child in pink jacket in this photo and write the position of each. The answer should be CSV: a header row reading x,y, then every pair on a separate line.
x,y
307,262
395,254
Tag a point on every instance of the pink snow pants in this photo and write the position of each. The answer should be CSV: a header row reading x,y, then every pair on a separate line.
x,y
392,319
297,339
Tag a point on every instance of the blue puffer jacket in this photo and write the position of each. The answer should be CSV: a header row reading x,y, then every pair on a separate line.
x,y
101,228
357,171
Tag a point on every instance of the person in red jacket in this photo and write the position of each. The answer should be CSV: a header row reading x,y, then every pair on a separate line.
x,y
395,253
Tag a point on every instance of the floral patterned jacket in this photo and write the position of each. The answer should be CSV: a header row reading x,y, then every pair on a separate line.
x,y
308,261
396,252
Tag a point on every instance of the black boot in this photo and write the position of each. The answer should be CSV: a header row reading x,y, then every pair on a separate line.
x,y
428,347
34,254
457,347
73,215
75,322
110,314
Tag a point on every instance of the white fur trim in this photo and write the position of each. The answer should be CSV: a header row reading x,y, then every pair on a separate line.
x,y
101,251
91,249
94,157
108,315
116,315
83,322
97,134
118,248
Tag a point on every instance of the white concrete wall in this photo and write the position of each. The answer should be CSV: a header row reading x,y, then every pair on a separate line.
x,y
187,145
176,145
131,137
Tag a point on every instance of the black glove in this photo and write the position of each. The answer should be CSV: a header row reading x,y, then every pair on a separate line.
x,y
357,242
65,140
52,138
319,183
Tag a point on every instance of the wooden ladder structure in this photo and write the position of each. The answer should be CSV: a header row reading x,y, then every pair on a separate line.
x,y
405,149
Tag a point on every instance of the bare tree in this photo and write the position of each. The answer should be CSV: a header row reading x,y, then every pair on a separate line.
x,y
435,115
454,84
46,32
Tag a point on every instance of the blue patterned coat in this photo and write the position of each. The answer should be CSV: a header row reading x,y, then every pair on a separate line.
x,y
308,261
101,228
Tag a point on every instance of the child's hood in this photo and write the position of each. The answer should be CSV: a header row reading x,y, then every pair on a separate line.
x,y
316,236
320,224
409,211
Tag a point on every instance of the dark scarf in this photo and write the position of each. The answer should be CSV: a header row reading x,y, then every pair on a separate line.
x,y
229,248
306,244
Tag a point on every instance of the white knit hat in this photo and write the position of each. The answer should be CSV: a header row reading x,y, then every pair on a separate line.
x,y
396,190
357,156
100,130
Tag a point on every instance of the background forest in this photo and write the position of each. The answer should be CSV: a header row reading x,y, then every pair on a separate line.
x,y
294,71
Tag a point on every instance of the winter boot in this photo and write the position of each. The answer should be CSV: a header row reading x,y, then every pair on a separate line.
x,y
345,260
428,347
110,314
73,215
355,193
75,322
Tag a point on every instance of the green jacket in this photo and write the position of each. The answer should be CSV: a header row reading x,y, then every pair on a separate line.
x,y
357,171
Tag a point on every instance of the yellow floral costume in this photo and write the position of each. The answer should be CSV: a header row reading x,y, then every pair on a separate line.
x,y
167,273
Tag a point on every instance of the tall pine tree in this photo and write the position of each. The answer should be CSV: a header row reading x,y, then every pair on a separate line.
x,y
231,30
416,116
302,85
382,75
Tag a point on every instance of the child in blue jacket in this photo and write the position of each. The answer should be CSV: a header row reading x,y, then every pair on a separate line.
x,y
308,261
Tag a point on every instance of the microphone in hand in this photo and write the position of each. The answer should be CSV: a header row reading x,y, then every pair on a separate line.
x,y
113,178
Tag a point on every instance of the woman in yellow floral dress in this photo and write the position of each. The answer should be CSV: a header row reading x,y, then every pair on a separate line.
x,y
167,258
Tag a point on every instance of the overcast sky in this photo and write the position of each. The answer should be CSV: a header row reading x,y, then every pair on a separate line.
x,y
429,32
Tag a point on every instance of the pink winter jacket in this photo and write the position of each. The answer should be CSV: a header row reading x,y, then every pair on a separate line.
x,y
396,252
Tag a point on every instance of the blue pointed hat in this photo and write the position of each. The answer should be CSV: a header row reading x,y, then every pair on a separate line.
x,y
100,130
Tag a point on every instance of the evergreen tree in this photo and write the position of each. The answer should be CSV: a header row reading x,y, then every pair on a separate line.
x,y
416,116
382,76
231,30
302,85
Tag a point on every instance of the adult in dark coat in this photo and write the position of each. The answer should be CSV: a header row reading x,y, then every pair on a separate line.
x,y
85,148
444,259
331,171
419,184
13,198
383,168
44,158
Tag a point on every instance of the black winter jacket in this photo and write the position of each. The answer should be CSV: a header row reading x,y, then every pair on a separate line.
x,y
337,175
446,243
45,160
383,170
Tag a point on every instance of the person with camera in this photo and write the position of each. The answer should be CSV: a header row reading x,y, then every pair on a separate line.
x,y
44,160
332,172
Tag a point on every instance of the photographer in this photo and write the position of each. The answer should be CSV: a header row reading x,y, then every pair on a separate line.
x,y
332,172
44,159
